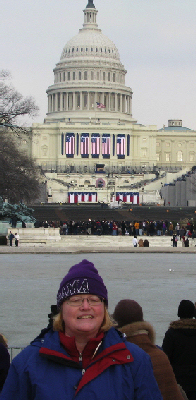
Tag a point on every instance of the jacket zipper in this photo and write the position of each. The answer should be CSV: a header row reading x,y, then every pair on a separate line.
x,y
80,360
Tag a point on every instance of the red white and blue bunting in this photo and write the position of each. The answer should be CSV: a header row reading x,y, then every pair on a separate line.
x,y
128,197
82,197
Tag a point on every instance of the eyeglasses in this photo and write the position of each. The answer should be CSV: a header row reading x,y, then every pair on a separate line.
x,y
77,301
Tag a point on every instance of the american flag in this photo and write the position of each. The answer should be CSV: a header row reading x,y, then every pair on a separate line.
x,y
120,146
84,145
95,145
100,105
106,145
70,144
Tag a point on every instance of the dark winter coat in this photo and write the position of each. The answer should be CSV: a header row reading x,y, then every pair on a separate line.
x,y
4,364
45,371
180,346
142,334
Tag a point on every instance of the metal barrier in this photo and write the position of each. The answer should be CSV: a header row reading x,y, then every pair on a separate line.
x,y
14,351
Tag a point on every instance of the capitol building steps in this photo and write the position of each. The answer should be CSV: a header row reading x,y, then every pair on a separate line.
x,y
50,237
112,242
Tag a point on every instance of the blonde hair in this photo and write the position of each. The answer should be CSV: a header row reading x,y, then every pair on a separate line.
x,y
59,325
3,340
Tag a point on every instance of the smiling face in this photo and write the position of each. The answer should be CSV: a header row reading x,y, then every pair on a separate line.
x,y
82,320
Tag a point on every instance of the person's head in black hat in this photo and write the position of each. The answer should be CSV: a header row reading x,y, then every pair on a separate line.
x,y
186,309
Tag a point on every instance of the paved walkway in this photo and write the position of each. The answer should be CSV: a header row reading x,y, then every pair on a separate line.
x,y
101,244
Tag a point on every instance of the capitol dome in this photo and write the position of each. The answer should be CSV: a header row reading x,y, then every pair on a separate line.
x,y
89,74
90,43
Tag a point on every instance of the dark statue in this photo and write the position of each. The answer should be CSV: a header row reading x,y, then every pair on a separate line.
x,y
16,212
90,4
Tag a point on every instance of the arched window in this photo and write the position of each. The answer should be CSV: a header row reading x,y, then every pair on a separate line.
x,y
179,155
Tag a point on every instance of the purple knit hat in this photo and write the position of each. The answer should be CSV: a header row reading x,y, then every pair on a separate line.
x,y
82,278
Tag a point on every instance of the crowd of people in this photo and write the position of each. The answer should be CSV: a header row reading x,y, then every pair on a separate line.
x,y
85,353
132,228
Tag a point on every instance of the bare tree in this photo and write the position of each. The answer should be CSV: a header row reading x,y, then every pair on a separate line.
x,y
19,175
13,104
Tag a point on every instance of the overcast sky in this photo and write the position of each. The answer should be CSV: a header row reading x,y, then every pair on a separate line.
x,y
156,40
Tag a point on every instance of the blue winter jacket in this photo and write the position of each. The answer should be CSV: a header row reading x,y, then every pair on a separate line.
x,y
44,371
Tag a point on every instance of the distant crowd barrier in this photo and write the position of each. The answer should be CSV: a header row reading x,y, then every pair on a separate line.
x,y
13,351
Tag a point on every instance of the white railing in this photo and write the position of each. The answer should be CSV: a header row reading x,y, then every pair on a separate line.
x,y
14,351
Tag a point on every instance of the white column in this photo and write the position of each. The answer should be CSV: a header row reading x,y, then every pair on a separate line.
x,y
130,105
81,100
61,101
127,104
74,101
121,103
116,102
88,101
56,101
95,105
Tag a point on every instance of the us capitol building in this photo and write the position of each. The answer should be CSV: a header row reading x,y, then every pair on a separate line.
x,y
90,147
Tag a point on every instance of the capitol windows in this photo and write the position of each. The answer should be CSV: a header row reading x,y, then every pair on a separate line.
x,y
85,75
68,76
92,75
167,157
64,101
144,152
109,76
78,100
60,76
103,76
86,49
59,102
70,101
191,157
92,100
64,76
53,101
72,49
96,50
81,49
112,101
167,144
158,144
98,76
80,75
114,77
91,49
74,76
85,99
118,100
179,155
158,156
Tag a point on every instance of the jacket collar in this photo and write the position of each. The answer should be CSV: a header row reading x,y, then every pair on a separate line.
x,y
137,328
188,323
